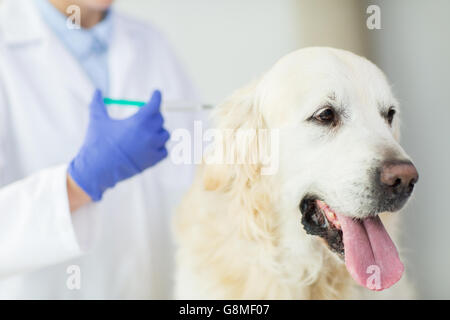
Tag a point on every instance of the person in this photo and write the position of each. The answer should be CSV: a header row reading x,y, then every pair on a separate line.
x,y
87,190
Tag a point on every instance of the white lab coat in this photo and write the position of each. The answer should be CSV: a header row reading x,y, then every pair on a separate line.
x,y
121,244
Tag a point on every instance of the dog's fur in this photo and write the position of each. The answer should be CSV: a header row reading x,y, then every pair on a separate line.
x,y
239,233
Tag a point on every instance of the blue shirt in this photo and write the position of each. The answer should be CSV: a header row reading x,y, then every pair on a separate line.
x,y
88,46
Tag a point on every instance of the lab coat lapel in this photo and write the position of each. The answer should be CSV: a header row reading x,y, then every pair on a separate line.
x,y
24,26
58,92
67,70
20,22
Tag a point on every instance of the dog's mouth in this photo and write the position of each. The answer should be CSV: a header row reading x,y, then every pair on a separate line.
x,y
319,221
369,253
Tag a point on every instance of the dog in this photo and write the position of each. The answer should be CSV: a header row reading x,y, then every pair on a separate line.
x,y
321,225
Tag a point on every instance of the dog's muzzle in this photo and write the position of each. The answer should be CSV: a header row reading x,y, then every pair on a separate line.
x,y
361,240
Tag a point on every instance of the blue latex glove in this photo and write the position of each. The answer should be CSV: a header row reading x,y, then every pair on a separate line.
x,y
115,150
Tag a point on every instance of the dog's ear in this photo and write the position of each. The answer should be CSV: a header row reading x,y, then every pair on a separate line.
x,y
238,167
235,155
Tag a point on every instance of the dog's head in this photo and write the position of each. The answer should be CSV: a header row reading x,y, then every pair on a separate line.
x,y
339,160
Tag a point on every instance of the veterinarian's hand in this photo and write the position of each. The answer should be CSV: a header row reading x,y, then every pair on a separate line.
x,y
115,150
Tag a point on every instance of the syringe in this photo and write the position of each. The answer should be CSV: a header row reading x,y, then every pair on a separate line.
x,y
166,106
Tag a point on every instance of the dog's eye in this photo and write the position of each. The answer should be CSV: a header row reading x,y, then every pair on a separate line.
x,y
390,116
326,115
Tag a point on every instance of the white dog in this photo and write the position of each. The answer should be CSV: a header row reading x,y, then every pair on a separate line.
x,y
310,229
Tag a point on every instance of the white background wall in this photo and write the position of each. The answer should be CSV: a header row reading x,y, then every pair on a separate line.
x,y
224,44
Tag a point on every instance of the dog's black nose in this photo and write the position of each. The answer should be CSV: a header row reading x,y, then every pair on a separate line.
x,y
398,178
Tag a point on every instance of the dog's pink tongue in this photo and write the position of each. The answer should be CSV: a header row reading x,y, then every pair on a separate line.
x,y
370,255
